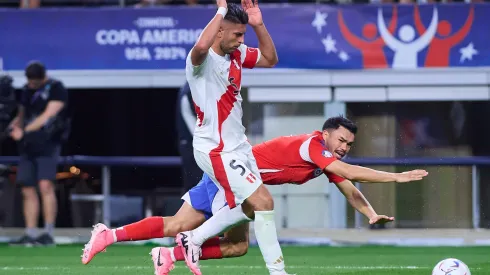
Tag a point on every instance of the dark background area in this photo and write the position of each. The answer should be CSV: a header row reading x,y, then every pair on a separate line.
x,y
123,122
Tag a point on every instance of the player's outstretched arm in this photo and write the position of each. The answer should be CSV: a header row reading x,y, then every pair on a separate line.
x,y
206,39
363,174
268,58
357,200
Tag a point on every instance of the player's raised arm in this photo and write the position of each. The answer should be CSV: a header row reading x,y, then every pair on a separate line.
x,y
268,58
206,39
363,174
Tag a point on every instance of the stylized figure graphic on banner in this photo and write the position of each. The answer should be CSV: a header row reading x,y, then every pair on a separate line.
x,y
371,45
407,49
440,47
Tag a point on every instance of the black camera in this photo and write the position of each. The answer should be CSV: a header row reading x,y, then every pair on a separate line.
x,y
7,102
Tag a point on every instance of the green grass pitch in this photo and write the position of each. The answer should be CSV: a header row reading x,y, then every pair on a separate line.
x,y
126,260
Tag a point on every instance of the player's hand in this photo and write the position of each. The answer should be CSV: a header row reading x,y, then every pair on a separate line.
x,y
411,175
381,219
221,3
16,133
253,11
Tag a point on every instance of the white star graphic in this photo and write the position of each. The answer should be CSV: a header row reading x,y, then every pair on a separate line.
x,y
344,56
467,53
329,44
320,21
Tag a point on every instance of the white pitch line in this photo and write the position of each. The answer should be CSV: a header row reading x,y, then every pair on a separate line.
x,y
90,268
17,268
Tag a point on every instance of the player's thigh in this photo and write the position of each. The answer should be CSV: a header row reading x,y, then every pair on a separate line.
x,y
47,165
26,172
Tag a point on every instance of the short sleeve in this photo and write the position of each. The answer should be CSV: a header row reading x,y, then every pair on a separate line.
x,y
195,70
58,92
334,178
250,56
319,155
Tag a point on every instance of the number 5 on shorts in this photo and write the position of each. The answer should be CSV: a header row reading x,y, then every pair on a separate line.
x,y
250,177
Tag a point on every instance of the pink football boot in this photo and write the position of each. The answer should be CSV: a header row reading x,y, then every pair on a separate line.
x,y
162,260
191,251
101,238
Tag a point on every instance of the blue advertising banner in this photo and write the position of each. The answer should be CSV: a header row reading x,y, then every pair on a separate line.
x,y
306,36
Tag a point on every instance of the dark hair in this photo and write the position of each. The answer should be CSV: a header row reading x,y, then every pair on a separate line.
x,y
35,70
337,121
236,14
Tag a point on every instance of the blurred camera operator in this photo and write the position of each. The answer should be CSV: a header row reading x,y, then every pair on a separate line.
x,y
7,109
7,104
39,128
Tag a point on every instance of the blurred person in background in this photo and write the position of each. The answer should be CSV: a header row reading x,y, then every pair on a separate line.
x,y
186,121
8,104
30,4
146,3
39,128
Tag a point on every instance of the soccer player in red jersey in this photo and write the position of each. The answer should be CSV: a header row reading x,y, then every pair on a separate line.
x,y
293,159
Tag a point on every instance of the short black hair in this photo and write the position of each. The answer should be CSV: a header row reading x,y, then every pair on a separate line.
x,y
35,70
335,122
236,14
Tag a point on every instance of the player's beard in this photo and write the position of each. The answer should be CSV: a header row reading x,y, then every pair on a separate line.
x,y
226,50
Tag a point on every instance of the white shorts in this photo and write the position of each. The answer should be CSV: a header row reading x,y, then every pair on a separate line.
x,y
235,173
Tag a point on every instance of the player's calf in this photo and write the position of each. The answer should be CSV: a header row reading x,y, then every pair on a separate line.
x,y
236,240
146,229
233,249
265,229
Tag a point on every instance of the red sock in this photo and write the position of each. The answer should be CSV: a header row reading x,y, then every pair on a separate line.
x,y
145,229
210,250
178,254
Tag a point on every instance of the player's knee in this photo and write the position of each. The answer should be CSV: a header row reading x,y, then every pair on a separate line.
x,y
46,187
174,226
261,200
265,205
29,193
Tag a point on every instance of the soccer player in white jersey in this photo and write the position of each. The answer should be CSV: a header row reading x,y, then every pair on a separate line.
x,y
214,73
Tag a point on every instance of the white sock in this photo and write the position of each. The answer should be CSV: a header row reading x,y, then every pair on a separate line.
x,y
265,232
114,233
172,255
218,223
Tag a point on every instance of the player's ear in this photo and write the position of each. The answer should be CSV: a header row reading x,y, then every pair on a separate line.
x,y
325,134
220,32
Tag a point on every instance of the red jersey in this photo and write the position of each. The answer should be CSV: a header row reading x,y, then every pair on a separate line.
x,y
294,159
